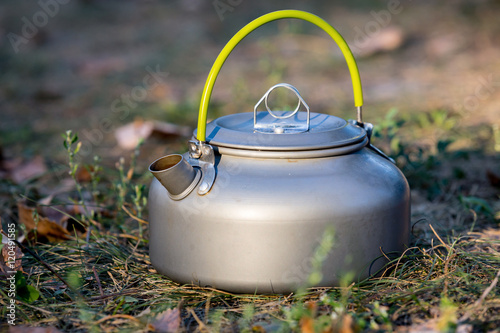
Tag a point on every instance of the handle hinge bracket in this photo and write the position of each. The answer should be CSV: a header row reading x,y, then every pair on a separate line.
x,y
368,127
202,155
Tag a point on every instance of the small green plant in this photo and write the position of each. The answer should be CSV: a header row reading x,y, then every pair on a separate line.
x,y
25,291
95,171
127,190
73,146
477,204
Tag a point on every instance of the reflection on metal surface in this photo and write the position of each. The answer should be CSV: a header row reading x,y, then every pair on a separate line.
x,y
279,125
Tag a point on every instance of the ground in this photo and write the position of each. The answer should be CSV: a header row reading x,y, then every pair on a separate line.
x,y
432,89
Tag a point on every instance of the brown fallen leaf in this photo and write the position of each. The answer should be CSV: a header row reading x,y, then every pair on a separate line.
x,y
168,321
29,329
167,129
24,171
83,175
45,228
387,39
128,136
10,256
144,312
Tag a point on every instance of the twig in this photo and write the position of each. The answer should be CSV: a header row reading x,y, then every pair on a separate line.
x,y
114,281
36,308
200,323
488,290
127,236
124,316
383,253
40,260
399,260
481,299
435,233
131,254
98,283
133,216
207,309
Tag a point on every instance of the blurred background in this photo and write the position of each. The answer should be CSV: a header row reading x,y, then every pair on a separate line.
x,y
93,66
116,71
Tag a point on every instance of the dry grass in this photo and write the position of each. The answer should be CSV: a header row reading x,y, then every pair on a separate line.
x,y
110,285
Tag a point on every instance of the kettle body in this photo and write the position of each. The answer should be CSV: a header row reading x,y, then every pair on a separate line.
x,y
258,229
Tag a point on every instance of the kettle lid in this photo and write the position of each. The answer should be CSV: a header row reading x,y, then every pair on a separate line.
x,y
283,130
325,131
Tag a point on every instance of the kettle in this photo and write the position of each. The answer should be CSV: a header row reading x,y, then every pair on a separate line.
x,y
245,208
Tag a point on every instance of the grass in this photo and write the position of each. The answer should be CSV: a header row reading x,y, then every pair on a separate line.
x,y
102,280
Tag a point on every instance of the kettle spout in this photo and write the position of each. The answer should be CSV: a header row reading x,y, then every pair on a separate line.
x,y
175,174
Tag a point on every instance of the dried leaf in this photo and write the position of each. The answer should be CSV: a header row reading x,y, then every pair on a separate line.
x,y
44,227
387,39
168,321
10,255
168,129
26,171
47,200
129,136
83,174
144,312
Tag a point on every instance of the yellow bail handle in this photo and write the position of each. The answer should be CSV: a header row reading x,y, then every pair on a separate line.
x,y
281,14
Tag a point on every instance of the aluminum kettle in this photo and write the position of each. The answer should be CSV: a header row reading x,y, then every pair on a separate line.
x,y
247,206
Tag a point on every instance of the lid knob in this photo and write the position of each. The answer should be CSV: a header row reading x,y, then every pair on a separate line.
x,y
281,121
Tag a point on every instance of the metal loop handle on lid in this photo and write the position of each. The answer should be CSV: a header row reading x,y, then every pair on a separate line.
x,y
281,14
266,97
282,127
